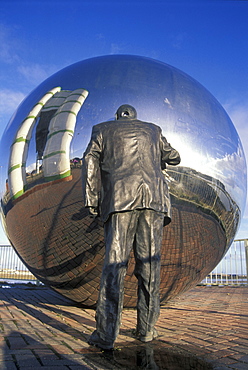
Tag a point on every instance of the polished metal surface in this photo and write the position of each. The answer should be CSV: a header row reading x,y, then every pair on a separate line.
x,y
41,195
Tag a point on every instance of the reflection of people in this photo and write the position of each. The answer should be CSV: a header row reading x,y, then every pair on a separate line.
x,y
130,155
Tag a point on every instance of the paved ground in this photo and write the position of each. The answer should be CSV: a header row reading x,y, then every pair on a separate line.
x,y
205,328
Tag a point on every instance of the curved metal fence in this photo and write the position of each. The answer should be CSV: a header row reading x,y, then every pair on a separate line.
x,y
232,269
11,267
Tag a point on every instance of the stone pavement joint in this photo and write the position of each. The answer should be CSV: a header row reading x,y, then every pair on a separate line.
x,y
206,328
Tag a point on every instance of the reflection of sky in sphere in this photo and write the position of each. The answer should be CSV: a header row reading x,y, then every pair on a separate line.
x,y
190,117
228,169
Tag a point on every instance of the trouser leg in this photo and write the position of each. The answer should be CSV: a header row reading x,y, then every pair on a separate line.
x,y
147,255
119,235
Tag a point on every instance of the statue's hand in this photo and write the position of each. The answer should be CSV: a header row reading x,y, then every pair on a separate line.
x,y
93,212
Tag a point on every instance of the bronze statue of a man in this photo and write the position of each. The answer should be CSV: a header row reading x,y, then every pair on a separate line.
x,y
134,205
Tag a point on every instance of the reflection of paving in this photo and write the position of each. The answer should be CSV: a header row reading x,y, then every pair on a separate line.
x,y
64,247
207,326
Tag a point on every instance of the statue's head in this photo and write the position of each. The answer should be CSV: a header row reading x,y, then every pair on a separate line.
x,y
126,111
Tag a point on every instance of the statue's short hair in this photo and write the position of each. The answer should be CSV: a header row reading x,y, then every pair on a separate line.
x,y
126,111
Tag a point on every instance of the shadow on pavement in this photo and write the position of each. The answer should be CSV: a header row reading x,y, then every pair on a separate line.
x,y
21,350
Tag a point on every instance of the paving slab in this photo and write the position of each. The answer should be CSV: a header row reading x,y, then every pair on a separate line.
x,y
205,328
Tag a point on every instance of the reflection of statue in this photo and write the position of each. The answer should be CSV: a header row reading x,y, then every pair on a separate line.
x,y
145,359
135,205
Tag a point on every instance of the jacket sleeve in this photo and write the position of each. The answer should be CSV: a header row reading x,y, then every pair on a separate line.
x,y
91,170
169,155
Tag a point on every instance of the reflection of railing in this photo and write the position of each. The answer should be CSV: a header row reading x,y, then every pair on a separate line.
x,y
11,267
233,268
203,191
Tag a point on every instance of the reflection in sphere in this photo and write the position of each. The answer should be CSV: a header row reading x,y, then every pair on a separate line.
x,y
42,150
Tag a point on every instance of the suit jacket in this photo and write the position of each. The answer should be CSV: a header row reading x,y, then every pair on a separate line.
x,y
128,157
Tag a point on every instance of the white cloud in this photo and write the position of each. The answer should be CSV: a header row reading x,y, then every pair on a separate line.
x,y
178,40
116,48
242,232
36,73
13,57
8,46
9,101
238,113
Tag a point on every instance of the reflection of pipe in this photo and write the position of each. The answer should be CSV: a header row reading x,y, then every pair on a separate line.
x,y
246,258
19,149
56,159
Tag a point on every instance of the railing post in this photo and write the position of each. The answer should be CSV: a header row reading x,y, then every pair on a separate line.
x,y
246,257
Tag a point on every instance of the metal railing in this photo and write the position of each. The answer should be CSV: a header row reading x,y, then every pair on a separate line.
x,y
11,267
232,269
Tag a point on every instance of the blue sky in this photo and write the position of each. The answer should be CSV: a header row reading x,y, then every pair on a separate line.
x,y
207,39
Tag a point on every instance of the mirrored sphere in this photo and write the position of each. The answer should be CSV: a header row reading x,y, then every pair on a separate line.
x,y
41,155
